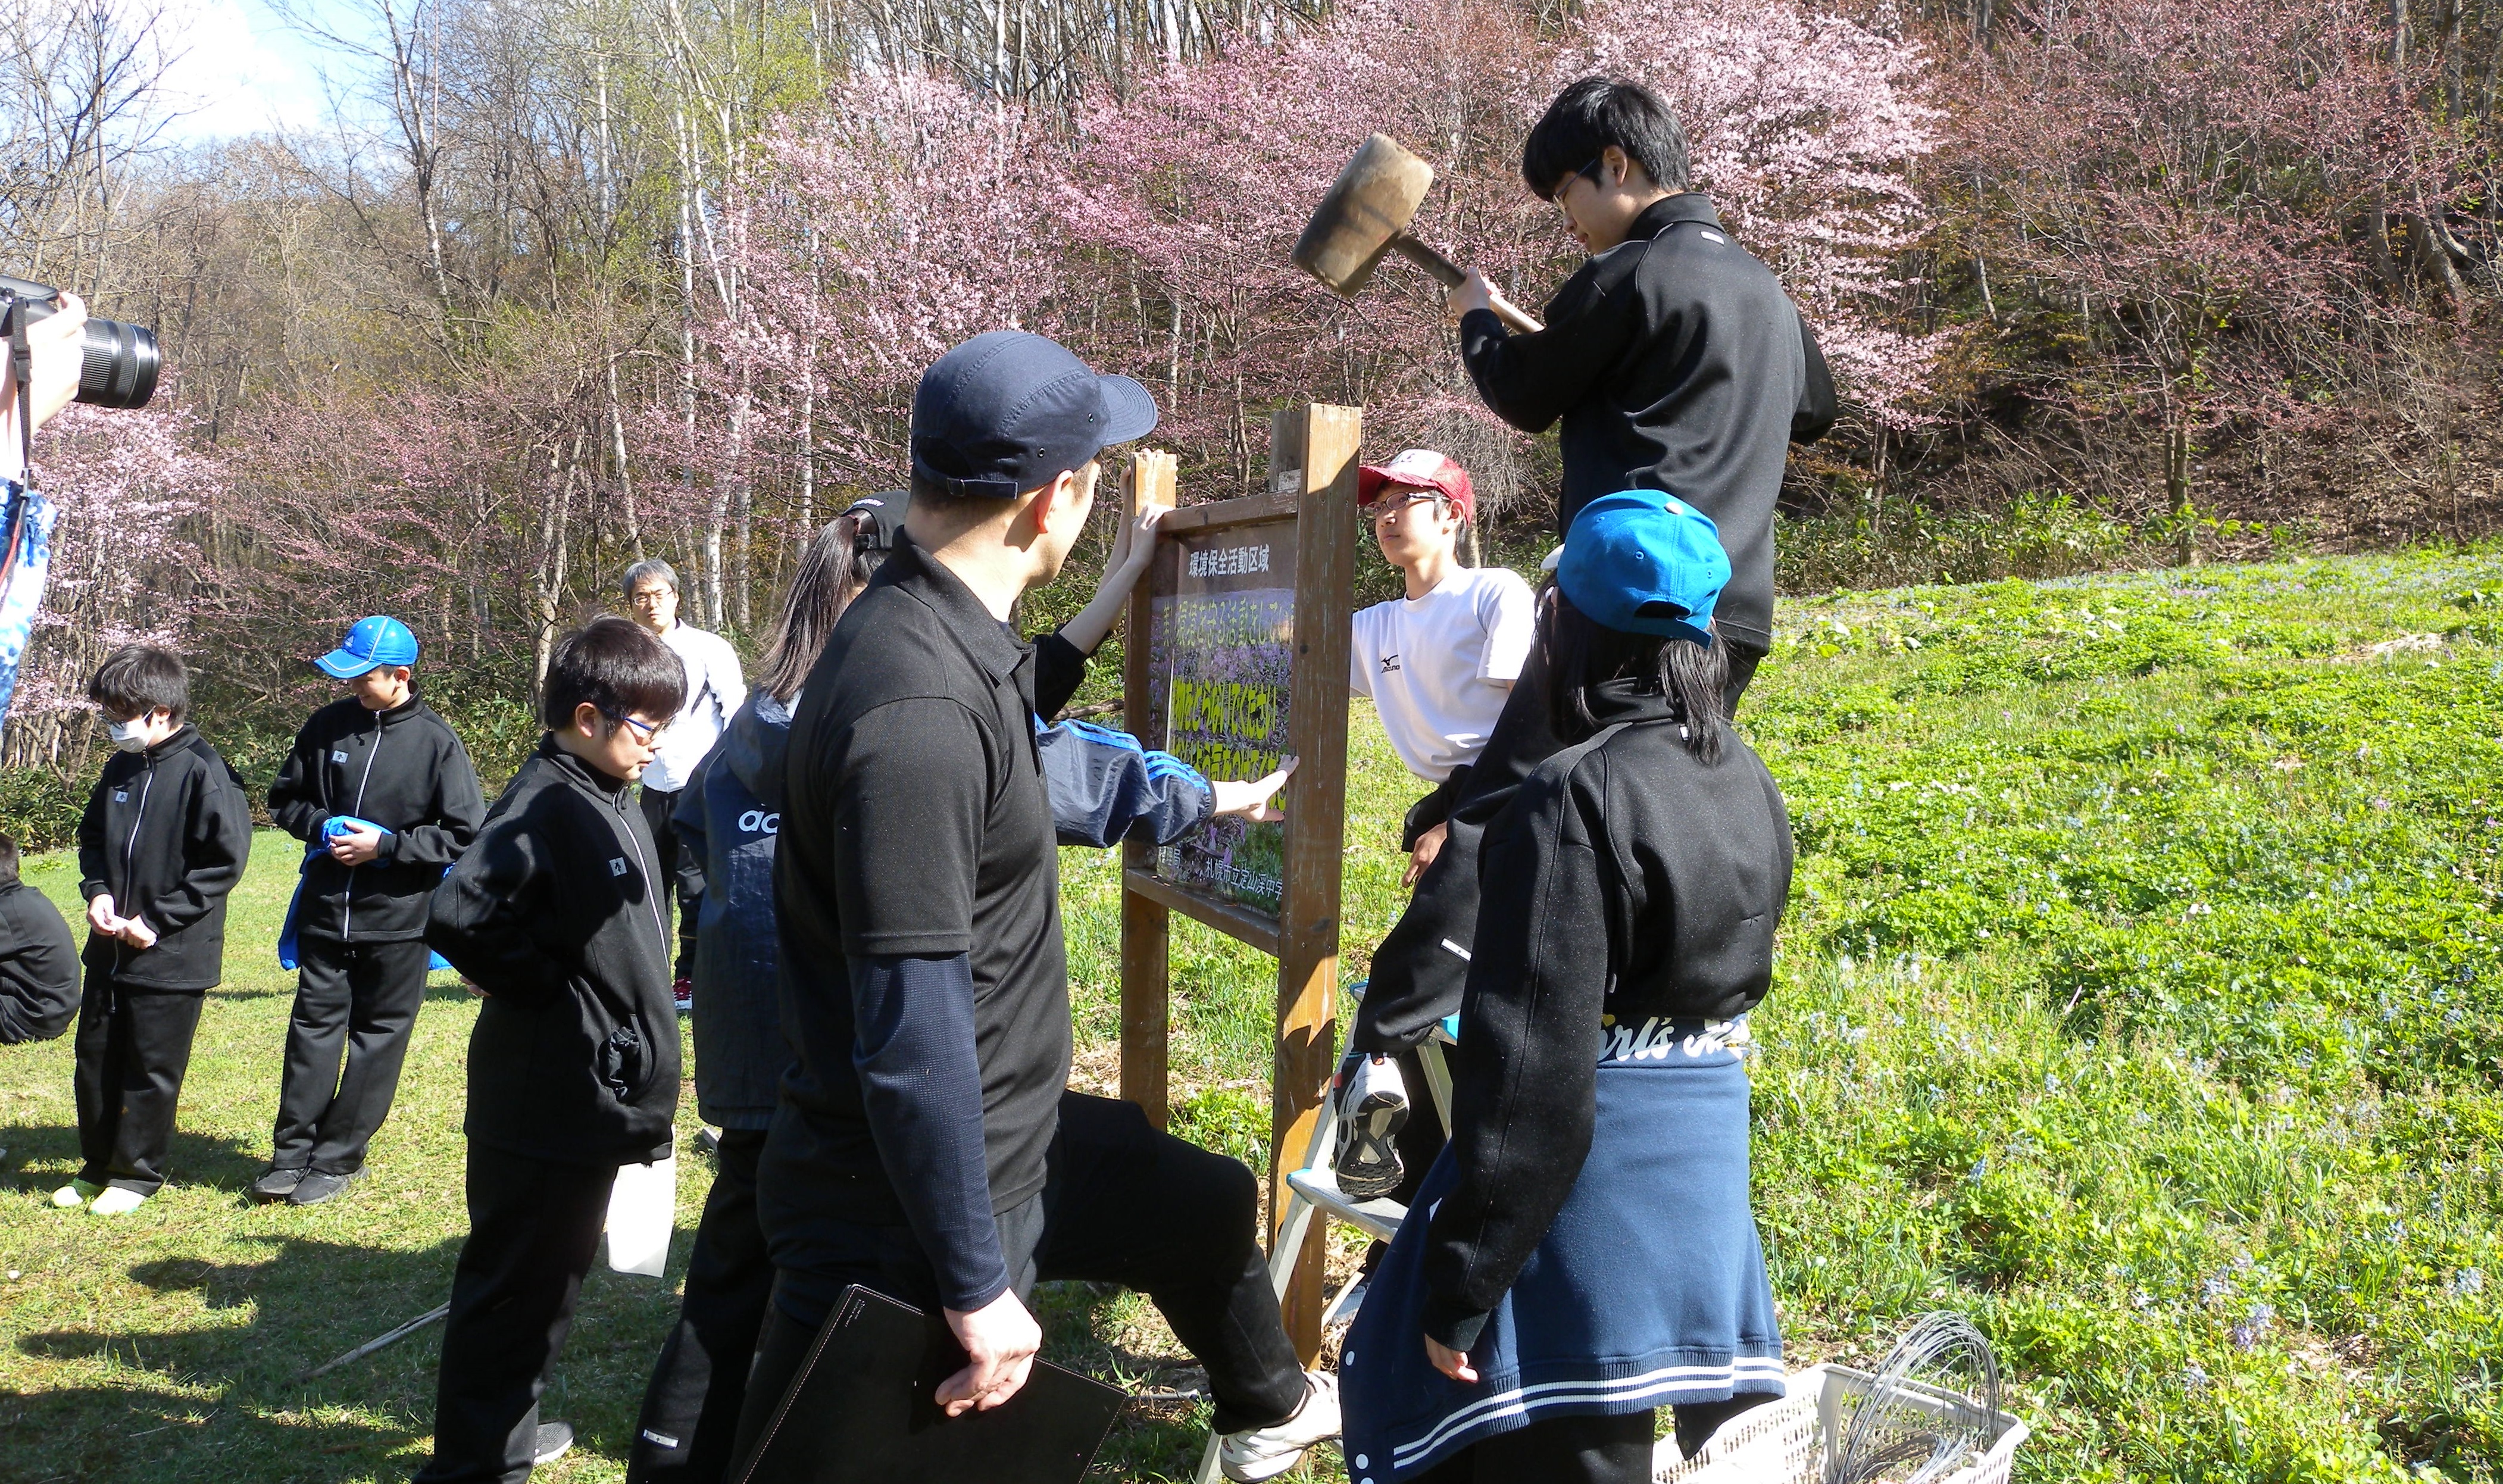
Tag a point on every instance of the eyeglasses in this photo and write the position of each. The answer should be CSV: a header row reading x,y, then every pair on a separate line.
x,y
1396,502
645,732
1598,162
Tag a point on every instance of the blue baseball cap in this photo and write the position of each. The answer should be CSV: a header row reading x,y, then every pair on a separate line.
x,y
371,642
1644,561
1008,411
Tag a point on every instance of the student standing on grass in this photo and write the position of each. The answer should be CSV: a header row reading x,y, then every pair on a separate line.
x,y
383,794
1439,662
927,1145
1584,1251
556,914
163,840
1671,360
730,816
39,967
714,691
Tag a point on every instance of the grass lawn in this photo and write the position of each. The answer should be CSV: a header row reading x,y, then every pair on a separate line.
x,y
2140,996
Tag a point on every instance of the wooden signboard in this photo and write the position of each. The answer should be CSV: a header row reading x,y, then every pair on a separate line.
x,y
1236,657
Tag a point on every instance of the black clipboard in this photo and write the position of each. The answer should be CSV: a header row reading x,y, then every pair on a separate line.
x,y
860,1411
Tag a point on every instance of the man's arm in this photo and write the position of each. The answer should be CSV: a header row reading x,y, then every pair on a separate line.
x,y
216,841
1818,405
729,681
1530,380
912,1029
295,796
918,771
458,809
92,881
479,920
1524,1090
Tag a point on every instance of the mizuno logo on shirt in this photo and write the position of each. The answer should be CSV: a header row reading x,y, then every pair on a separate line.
x,y
617,867
1391,664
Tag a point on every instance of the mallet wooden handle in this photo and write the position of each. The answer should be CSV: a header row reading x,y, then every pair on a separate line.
x,y
1447,273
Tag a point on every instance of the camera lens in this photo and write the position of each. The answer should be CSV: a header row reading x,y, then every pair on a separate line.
x,y
119,366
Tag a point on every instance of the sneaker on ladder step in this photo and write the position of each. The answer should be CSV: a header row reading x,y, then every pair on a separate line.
x,y
1372,1109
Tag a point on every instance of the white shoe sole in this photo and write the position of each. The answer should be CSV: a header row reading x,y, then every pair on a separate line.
x,y
1367,1162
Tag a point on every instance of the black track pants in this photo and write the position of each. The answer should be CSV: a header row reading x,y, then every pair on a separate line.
x,y
690,1416
534,1228
657,809
356,1001
133,1046
1123,1204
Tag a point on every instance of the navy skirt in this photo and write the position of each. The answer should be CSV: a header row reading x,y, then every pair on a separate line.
x,y
1647,1290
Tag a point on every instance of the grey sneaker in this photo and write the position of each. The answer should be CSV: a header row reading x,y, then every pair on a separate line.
x,y
276,1182
554,1441
1371,1112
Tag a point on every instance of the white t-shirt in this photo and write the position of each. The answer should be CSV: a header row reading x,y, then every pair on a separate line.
x,y
1438,668
715,687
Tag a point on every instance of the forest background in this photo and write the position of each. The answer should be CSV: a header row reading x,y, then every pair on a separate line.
x,y
564,283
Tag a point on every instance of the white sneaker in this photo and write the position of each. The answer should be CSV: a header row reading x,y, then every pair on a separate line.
x,y
1371,1112
116,1201
1264,1453
75,1193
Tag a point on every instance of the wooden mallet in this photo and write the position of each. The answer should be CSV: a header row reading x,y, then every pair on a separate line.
x,y
1366,215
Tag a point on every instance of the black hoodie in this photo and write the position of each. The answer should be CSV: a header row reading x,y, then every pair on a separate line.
x,y
1626,879
728,817
39,967
1675,362
555,911
401,769
166,833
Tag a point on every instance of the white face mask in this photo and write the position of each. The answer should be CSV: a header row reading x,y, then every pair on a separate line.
x,y
129,736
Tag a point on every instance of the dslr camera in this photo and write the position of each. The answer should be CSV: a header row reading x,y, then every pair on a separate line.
x,y
122,361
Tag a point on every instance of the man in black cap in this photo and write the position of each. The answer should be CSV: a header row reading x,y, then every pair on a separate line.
x,y
926,1145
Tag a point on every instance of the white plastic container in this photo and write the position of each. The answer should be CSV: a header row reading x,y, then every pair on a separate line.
x,y
1789,1441
643,1212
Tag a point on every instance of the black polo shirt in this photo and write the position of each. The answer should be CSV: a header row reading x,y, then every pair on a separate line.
x,y
916,823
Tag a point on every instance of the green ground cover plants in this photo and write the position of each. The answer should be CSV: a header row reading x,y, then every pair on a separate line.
x,y
2140,997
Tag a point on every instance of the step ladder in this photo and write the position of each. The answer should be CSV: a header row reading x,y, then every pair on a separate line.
x,y
1313,1189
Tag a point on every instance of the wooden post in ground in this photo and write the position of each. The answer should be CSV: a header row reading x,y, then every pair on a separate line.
x,y
1146,924
1321,440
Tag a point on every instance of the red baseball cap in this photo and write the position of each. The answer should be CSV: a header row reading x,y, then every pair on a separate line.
x,y
1416,468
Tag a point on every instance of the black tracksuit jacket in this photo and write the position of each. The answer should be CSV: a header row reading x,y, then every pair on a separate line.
x,y
1627,878
1675,362
39,967
556,912
167,832
401,769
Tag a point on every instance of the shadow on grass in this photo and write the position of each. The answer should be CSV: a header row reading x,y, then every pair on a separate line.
x,y
1154,1438
191,1160
228,1398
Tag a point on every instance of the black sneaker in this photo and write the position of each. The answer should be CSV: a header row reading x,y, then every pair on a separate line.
x,y
554,1441
1373,1109
277,1182
319,1186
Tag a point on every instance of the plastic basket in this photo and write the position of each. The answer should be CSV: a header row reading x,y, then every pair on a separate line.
x,y
1789,1441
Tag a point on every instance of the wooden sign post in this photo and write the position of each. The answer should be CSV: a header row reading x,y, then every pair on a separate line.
x,y
1237,656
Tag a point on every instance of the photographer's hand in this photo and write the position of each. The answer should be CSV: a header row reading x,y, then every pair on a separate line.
x,y
58,344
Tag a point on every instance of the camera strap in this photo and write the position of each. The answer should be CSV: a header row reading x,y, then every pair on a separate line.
x,y
22,360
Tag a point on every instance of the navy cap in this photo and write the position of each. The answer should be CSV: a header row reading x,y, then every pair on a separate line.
x,y
371,643
1643,562
882,518
1008,411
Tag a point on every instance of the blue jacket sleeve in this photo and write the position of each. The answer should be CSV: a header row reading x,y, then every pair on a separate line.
x,y
921,1088
1105,787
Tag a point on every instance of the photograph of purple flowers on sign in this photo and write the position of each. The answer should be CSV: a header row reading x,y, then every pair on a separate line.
x,y
1221,650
